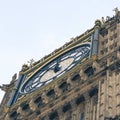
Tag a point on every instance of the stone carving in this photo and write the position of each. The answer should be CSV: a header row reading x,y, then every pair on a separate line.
x,y
53,53
57,91
72,39
42,60
5,87
45,98
82,75
32,105
116,11
31,62
14,77
25,67
103,20
107,18
19,110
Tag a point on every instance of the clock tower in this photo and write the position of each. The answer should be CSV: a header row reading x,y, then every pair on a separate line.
x,y
78,81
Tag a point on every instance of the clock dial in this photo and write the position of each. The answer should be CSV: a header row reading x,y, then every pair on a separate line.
x,y
56,68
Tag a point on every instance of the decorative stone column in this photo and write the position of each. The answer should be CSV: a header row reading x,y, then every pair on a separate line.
x,y
95,39
83,75
58,92
59,110
32,105
69,80
44,97
96,66
19,110
24,109
87,105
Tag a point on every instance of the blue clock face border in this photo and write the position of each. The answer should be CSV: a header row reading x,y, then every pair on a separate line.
x,y
56,68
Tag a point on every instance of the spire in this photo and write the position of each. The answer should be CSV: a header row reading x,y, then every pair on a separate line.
x,y
116,10
117,13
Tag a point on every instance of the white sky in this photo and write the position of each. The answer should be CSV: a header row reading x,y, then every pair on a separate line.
x,y
34,28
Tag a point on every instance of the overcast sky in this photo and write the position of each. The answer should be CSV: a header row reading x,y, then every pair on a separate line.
x,y
34,28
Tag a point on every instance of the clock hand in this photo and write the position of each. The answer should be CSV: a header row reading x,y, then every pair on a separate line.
x,y
57,68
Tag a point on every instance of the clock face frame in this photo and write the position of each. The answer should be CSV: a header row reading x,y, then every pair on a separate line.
x,y
55,68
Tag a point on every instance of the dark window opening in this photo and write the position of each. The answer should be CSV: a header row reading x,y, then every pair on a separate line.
x,y
25,106
80,99
18,116
51,104
66,107
76,77
118,65
103,73
38,101
102,43
82,116
64,97
106,50
112,68
54,116
89,71
93,92
51,93
101,52
44,118
104,32
37,112
13,114
64,87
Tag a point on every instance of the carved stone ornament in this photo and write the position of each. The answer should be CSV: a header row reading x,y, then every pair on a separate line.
x,y
31,62
25,67
4,87
14,77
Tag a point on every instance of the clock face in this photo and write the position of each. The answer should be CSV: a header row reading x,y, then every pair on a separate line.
x,y
56,68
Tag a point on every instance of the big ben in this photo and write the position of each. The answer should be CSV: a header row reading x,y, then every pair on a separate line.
x,y
78,81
